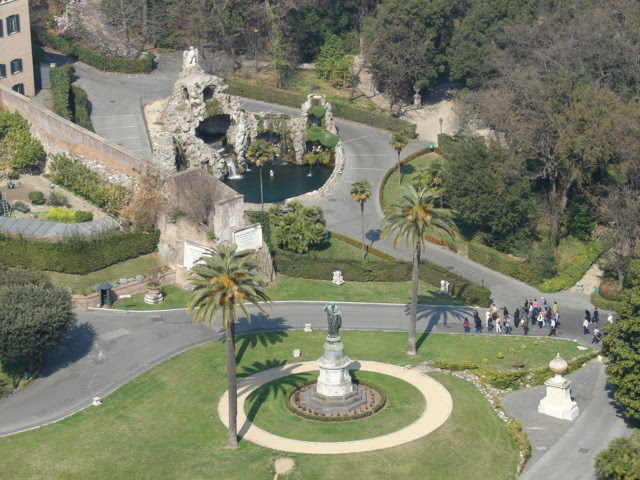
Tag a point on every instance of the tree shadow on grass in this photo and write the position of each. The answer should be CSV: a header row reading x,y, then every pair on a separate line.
x,y
263,338
280,386
75,344
445,317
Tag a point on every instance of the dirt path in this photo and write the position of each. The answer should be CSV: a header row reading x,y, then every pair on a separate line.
x,y
437,105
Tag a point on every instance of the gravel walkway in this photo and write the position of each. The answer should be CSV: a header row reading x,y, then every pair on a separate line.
x,y
438,410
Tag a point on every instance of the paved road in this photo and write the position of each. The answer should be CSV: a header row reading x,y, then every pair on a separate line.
x,y
107,349
368,156
126,345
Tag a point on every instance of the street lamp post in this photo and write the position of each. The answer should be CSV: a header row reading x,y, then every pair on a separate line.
x,y
441,120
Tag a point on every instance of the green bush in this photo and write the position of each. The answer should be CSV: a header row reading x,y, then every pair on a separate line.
x,y
604,303
295,100
516,431
57,200
36,198
574,272
500,262
80,104
455,366
62,215
89,185
82,216
620,460
76,255
96,60
61,78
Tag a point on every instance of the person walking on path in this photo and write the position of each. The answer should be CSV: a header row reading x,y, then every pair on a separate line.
x,y
490,324
505,311
552,332
555,307
516,317
585,327
507,325
587,315
487,319
596,315
477,322
597,336
498,324
525,325
466,325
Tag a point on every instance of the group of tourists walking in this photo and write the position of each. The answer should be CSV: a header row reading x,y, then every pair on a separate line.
x,y
529,314
591,320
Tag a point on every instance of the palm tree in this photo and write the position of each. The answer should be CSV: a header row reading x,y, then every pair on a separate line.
x,y
360,192
223,281
259,152
413,217
398,141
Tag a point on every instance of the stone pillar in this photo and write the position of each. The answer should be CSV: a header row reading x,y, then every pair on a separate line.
x,y
558,402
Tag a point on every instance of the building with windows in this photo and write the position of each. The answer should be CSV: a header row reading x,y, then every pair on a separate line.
x,y
16,59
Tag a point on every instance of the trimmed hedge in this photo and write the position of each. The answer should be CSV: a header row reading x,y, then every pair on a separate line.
x,y
76,255
574,272
500,262
79,102
61,78
387,270
94,59
295,100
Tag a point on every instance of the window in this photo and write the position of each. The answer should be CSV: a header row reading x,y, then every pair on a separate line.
x,y
18,87
3,70
1,31
13,24
16,66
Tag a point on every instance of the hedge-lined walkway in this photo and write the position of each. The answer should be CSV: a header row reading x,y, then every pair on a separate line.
x,y
36,228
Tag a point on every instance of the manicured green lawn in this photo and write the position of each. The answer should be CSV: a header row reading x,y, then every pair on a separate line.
x,y
407,171
265,407
82,284
164,424
335,248
287,288
174,297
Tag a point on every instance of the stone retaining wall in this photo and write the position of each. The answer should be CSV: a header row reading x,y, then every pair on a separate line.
x,y
62,136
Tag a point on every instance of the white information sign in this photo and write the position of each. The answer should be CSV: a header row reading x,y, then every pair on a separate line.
x,y
248,238
192,254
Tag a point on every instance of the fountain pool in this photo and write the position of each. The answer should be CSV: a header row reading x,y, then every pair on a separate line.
x,y
287,181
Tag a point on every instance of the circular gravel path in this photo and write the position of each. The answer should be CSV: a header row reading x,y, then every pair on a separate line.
x,y
439,406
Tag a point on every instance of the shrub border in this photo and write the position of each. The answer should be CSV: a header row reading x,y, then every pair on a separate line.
x,y
329,419
94,59
430,273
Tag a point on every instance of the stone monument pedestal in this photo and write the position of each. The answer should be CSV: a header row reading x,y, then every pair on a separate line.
x,y
334,391
558,401
153,297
